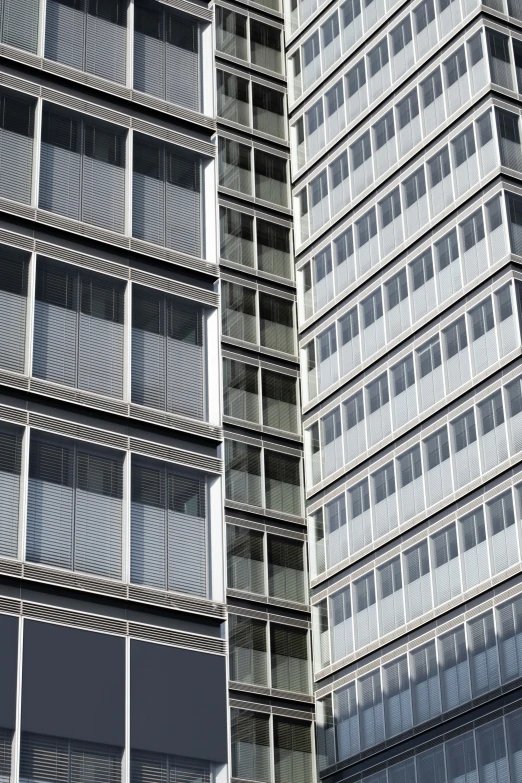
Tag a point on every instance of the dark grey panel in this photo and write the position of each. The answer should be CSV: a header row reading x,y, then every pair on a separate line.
x,y
8,670
178,702
73,684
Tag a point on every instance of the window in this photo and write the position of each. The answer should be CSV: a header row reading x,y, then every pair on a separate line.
x,y
504,304
366,228
439,167
240,391
166,200
383,483
270,178
265,46
361,150
231,33
334,99
250,741
268,110
464,146
456,338
431,88
410,466
243,473
16,144
424,15
354,408
390,208
378,57
482,319
239,313
10,469
356,78
378,393
235,164
245,560
233,98
75,506
403,375
397,289
82,168
372,308
289,651
14,266
72,36
508,126
279,401
437,448
169,519
339,170
173,73
429,357
292,751
401,36
282,482
455,66
408,109
445,547
168,353
273,249
384,130
360,499
447,250
464,431
78,328
52,759
236,231
248,650
422,270
414,187
472,230
286,574
276,323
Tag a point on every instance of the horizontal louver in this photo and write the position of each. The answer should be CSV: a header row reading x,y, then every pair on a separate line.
x,y
283,483
78,334
16,146
74,510
251,746
55,760
169,547
248,651
289,650
293,752
14,265
279,401
82,169
168,355
6,741
245,560
166,196
161,768
286,569
10,466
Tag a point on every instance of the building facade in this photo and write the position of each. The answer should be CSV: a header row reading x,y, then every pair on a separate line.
x,y
406,163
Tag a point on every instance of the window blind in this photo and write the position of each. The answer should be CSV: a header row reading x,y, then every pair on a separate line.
x,y
397,698
245,560
82,168
89,35
74,508
282,482
19,24
158,767
78,328
168,353
243,473
286,568
248,650
240,390
292,752
279,401
6,740
277,323
14,266
167,54
55,760
166,196
16,140
250,745
169,536
289,652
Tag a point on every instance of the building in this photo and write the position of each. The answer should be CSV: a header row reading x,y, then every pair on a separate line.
x,y
112,558
406,165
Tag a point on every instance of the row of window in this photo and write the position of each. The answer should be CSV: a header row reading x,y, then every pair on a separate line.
x,y
269,654
253,172
271,749
255,243
263,478
260,396
438,96
361,720
79,335
418,289
408,206
45,759
464,349
404,43
441,464
166,51
265,564
246,102
258,318
444,565
247,38
83,168
76,496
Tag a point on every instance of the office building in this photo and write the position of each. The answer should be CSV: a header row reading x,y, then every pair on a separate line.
x,y
406,165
